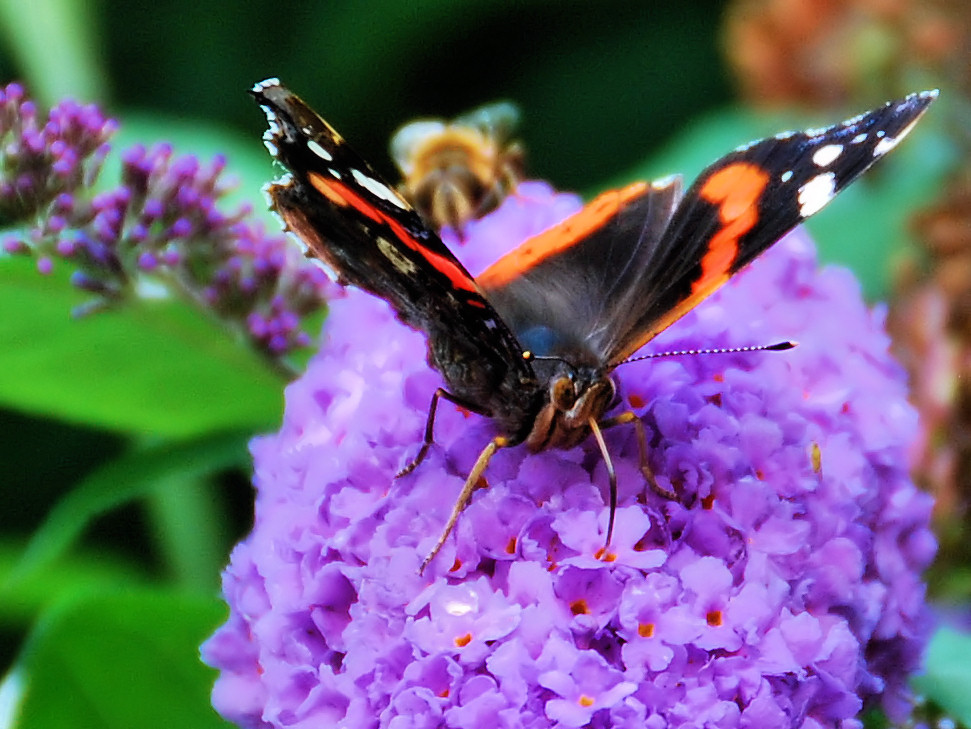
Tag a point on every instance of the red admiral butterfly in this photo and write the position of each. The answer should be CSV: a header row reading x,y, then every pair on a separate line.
x,y
459,170
532,342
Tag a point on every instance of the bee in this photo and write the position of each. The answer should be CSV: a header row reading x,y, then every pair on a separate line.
x,y
459,170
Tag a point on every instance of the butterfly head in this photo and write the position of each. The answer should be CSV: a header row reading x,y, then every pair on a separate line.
x,y
575,395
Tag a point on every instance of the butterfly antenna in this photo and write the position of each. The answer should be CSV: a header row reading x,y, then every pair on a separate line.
x,y
530,356
776,347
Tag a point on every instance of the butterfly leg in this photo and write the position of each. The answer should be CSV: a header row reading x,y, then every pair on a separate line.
x,y
429,438
471,483
631,417
611,478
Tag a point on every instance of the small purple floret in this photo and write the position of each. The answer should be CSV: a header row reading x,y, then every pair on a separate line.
x,y
66,247
182,228
15,246
147,261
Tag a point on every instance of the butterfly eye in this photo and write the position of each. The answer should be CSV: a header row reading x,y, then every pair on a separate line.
x,y
562,392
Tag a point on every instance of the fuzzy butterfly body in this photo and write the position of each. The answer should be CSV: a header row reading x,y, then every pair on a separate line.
x,y
531,343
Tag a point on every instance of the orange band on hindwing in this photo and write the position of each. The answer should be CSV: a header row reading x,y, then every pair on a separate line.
x,y
601,210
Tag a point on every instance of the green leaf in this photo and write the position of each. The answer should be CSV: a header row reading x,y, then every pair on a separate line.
x,y
947,674
80,570
117,661
133,475
156,367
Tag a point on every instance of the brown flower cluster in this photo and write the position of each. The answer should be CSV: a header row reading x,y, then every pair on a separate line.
x,y
829,52
930,321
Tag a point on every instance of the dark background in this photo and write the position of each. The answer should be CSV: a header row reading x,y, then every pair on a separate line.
x,y
599,83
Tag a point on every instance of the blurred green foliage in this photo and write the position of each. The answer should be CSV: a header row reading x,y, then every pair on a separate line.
x,y
126,432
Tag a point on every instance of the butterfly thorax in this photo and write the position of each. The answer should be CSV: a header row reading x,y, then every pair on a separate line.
x,y
574,397
509,395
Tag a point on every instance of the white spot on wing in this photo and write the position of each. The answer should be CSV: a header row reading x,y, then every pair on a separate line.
x,y
815,194
854,120
885,145
786,176
859,138
314,146
827,154
283,180
268,83
378,188
888,143
273,131
665,182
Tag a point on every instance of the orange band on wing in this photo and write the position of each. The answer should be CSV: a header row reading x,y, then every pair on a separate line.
x,y
341,195
560,237
736,190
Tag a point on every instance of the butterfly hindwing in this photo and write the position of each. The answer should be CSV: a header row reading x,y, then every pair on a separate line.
x,y
561,291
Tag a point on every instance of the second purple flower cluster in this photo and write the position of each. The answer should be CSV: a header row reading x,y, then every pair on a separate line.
x,y
160,231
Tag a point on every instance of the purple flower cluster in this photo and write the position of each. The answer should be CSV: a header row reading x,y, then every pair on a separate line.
x,y
40,160
783,589
160,230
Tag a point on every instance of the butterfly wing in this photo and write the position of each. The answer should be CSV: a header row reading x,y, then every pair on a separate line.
x,y
746,201
356,223
735,210
561,290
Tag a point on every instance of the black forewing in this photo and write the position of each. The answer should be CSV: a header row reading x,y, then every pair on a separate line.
x,y
632,286
804,171
353,221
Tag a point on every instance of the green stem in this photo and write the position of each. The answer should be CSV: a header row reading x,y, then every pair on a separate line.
x,y
54,42
189,529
